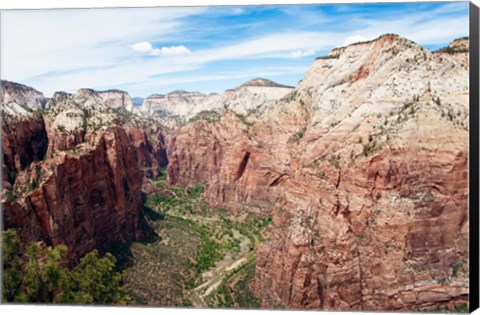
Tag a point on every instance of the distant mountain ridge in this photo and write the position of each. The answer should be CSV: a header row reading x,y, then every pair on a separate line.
x,y
264,82
184,105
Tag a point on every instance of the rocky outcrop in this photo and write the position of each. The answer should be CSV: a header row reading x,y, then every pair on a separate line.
x,y
254,94
258,82
24,138
176,103
459,45
458,50
75,119
75,171
149,143
220,155
20,99
116,99
358,167
330,242
87,199
381,180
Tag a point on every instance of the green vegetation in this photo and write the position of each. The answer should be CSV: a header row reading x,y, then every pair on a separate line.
x,y
243,119
423,197
217,237
295,138
37,273
243,295
452,50
290,97
210,251
429,196
11,195
457,308
370,147
207,115
61,128
235,290
194,238
226,297
335,161
161,272
327,57
123,116
459,267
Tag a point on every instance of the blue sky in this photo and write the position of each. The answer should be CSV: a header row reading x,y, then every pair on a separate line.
x,y
206,49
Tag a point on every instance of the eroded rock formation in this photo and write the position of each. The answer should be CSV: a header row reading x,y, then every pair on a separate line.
x,y
73,171
363,167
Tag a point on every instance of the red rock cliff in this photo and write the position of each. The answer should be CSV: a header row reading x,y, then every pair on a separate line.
x,y
364,172
87,199
86,191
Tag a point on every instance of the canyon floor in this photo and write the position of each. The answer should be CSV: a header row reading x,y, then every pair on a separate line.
x,y
204,257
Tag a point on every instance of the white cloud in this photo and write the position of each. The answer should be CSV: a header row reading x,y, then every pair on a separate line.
x,y
143,47
302,53
277,45
172,51
40,42
68,49
147,48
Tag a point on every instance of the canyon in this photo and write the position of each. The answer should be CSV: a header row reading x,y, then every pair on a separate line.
x,y
362,168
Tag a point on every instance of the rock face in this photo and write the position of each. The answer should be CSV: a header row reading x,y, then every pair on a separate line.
x,y
74,171
458,49
117,99
176,103
91,198
20,99
149,143
24,139
363,167
459,45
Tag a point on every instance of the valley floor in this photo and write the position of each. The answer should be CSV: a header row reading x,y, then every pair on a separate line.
x,y
204,257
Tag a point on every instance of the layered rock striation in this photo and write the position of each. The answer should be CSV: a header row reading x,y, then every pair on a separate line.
x,y
73,171
363,167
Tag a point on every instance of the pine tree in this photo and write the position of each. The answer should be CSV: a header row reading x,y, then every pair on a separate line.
x,y
39,274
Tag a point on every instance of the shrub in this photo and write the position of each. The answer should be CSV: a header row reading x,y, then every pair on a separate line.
x,y
207,115
370,147
295,138
243,119
335,161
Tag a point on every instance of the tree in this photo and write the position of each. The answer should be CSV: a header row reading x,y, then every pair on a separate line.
x,y
11,265
38,273
46,276
96,280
